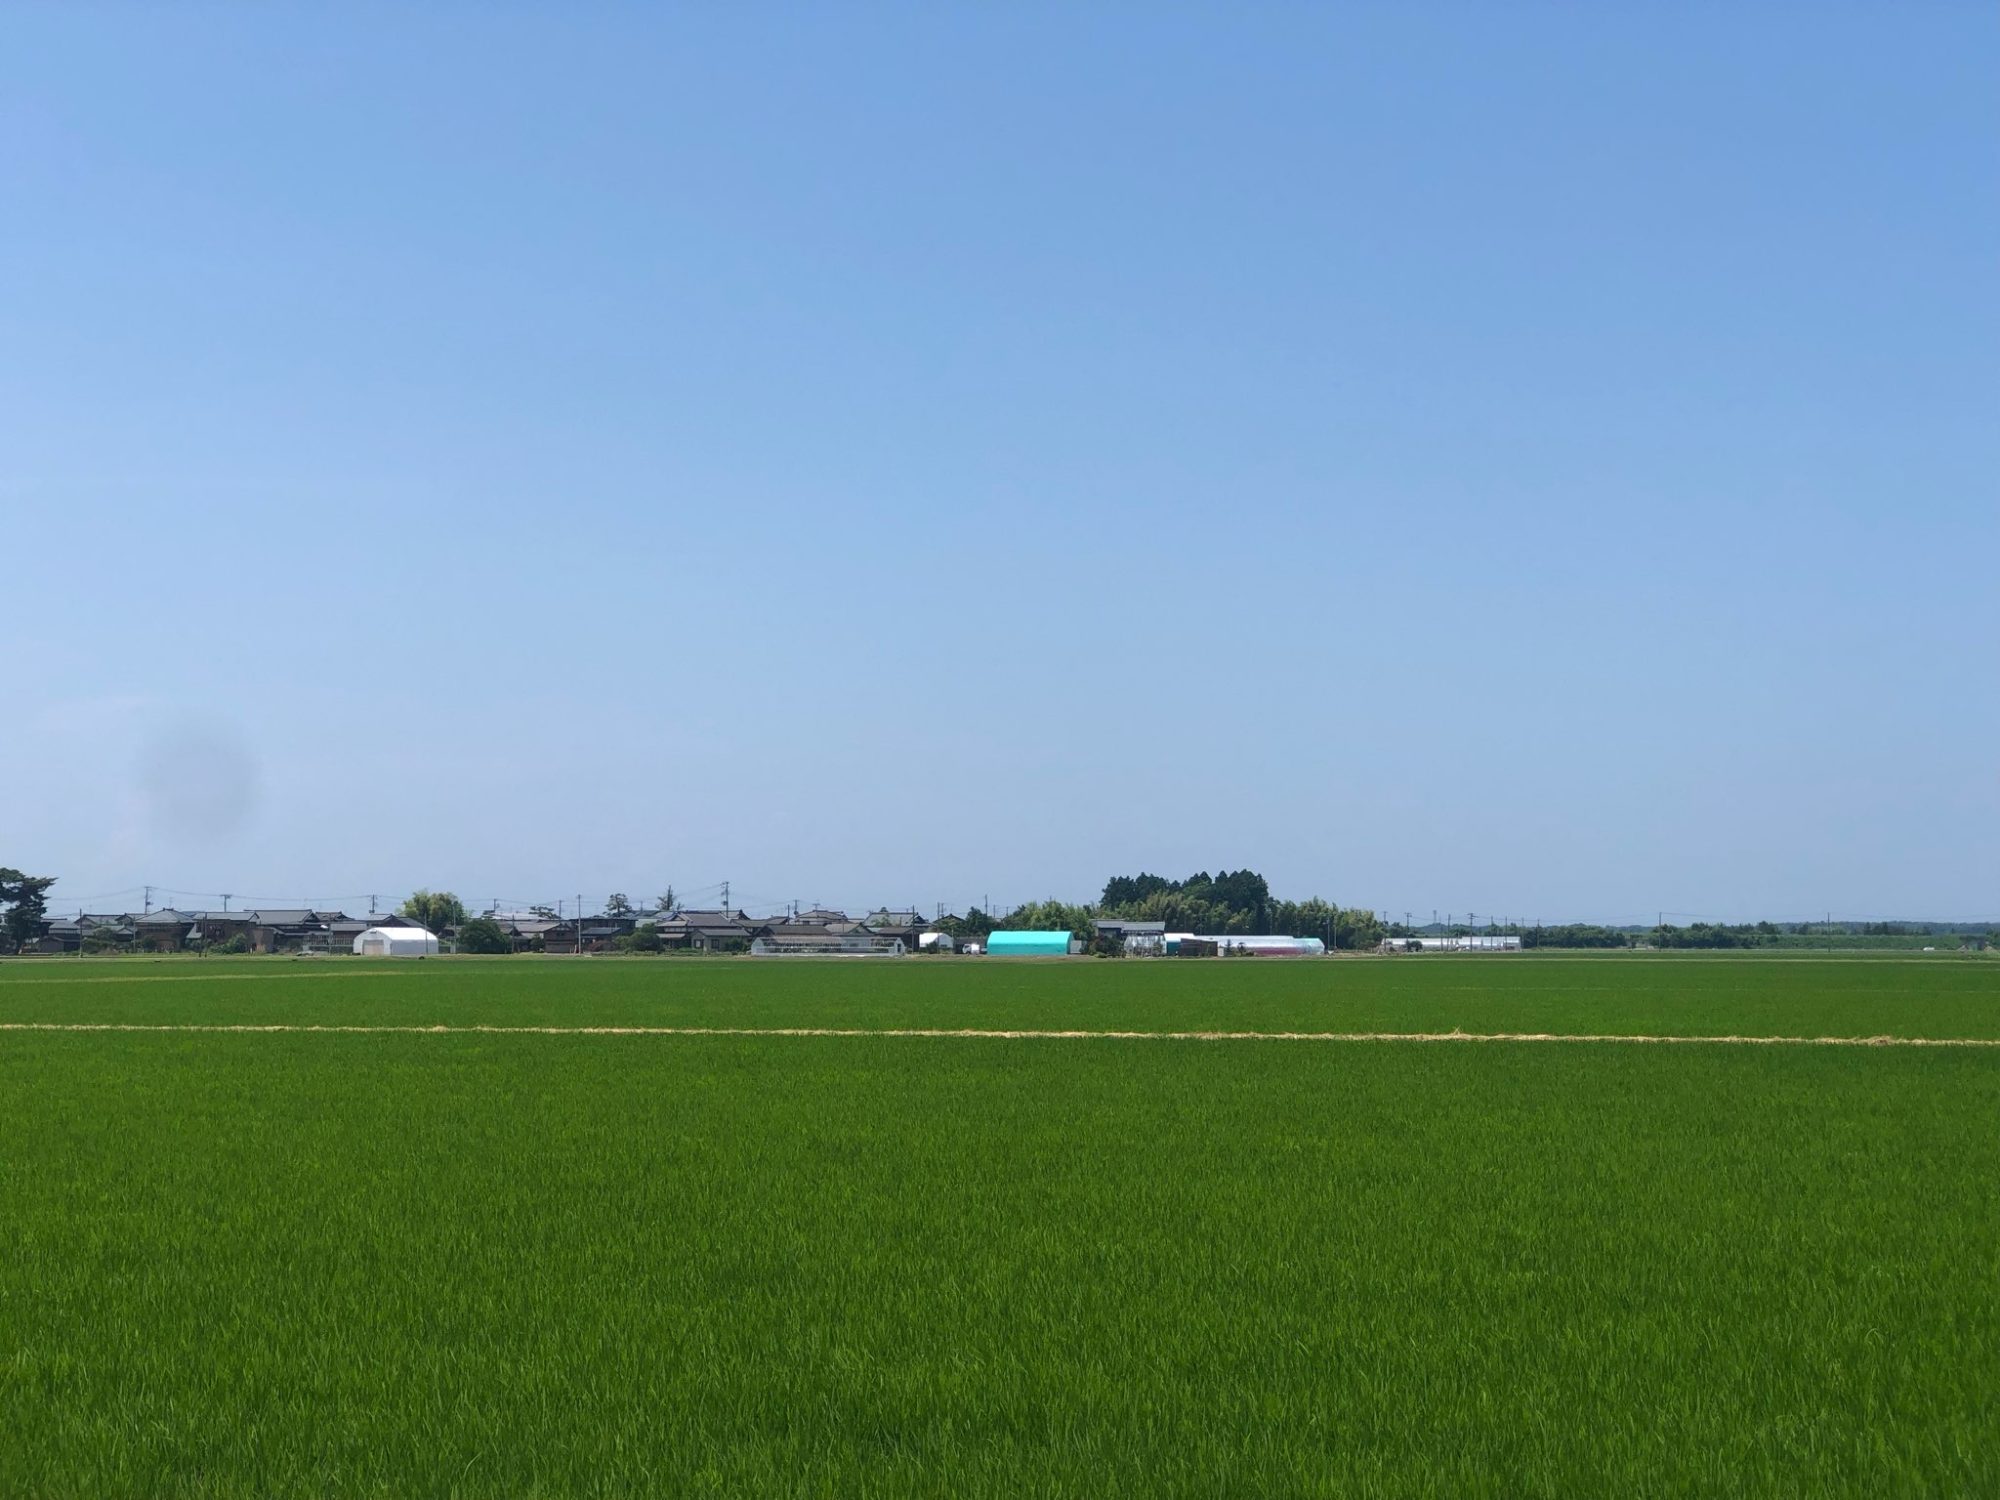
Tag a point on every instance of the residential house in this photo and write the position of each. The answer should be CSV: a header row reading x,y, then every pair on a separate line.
x,y
339,933
904,926
528,934
58,935
709,931
283,930
162,931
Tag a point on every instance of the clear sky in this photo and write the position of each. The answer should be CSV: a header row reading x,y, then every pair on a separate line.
x,y
1533,459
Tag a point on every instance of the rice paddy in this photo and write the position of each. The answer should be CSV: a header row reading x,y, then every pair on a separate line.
x,y
626,1262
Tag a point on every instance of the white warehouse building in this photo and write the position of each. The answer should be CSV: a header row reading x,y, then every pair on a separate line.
x,y
395,942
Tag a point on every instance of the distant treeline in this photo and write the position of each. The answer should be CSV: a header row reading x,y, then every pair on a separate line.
x,y
1748,935
1231,903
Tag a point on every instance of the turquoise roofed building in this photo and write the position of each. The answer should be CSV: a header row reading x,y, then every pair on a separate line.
x,y
1028,944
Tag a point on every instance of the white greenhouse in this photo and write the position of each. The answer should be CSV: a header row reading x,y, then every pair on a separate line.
x,y
395,942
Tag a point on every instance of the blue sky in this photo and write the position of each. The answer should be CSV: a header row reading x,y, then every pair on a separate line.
x,y
1537,460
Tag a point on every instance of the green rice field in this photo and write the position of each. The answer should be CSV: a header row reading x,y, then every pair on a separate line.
x,y
514,1262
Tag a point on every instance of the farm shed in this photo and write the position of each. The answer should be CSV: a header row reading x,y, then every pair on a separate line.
x,y
1030,943
395,942
1134,937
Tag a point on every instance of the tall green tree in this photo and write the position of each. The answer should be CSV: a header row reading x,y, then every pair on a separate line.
x,y
26,900
436,910
617,904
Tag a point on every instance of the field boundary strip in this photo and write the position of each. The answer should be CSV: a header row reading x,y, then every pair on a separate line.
x,y
43,978
994,1034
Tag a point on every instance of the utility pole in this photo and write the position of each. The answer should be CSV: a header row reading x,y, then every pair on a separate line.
x,y
225,899
725,895
372,907
149,901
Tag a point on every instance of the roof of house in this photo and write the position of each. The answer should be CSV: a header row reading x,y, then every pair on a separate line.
x,y
283,917
166,916
807,932
708,923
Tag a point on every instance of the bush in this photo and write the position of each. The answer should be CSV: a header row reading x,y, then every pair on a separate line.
x,y
235,943
482,935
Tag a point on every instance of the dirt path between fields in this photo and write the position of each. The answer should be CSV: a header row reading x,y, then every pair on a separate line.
x,y
975,1034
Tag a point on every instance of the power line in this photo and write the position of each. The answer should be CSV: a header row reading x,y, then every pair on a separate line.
x,y
101,895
